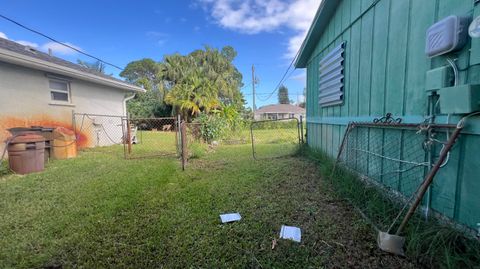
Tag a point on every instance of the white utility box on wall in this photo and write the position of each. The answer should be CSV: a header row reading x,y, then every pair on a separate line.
x,y
449,34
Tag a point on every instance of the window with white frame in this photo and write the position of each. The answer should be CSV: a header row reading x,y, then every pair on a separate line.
x,y
330,82
59,90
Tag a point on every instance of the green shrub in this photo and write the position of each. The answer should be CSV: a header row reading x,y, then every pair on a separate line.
x,y
282,124
226,123
213,126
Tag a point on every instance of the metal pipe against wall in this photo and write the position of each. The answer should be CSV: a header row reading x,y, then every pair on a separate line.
x,y
125,100
429,178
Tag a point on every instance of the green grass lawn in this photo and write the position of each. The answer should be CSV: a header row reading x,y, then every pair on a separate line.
x,y
100,210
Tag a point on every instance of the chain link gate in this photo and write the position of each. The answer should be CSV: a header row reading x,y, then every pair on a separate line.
x,y
151,137
276,138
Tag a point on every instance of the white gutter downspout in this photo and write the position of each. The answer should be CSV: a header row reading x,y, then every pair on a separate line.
x,y
125,100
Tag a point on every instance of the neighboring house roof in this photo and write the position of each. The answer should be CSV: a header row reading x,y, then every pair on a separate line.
x,y
15,53
282,108
320,22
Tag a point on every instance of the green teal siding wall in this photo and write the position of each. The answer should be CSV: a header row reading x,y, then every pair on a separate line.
x,y
385,70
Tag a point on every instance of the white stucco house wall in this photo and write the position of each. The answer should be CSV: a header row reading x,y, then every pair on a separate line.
x,y
279,111
39,89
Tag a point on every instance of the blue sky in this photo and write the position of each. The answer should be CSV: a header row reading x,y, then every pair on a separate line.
x,y
266,33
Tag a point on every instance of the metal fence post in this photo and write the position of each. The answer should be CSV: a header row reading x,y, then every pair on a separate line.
x,y
183,136
178,137
253,139
124,138
129,136
301,129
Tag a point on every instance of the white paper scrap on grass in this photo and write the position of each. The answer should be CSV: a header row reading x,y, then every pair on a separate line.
x,y
231,217
291,233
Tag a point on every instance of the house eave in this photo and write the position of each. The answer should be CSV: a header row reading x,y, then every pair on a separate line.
x,y
30,62
320,22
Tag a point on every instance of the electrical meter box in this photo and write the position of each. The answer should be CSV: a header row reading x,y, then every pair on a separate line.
x,y
462,99
438,78
449,34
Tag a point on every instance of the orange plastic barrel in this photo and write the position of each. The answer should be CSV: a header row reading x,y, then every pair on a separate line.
x,y
26,153
64,144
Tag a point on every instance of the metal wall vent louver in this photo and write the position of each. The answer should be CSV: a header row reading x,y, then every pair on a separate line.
x,y
330,83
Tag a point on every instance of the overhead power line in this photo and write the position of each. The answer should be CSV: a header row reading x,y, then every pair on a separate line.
x,y
283,77
56,41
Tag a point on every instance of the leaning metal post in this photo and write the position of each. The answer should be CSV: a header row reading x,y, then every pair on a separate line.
x,y
428,180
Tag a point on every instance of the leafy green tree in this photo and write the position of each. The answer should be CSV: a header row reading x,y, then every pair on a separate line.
x,y
192,96
202,80
149,104
283,95
146,73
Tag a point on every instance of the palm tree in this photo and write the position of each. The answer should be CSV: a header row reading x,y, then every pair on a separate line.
x,y
192,96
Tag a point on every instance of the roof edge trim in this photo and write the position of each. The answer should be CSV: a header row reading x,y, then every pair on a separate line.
x,y
324,13
30,62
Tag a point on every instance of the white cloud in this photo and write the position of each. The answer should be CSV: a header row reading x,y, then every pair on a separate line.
x,y
27,43
55,47
256,16
59,48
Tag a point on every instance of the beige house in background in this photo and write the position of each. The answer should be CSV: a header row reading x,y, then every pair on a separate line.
x,y
279,111
39,89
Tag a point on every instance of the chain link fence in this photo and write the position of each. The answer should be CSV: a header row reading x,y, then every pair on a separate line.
x,y
191,144
275,138
389,163
150,137
94,130
134,138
